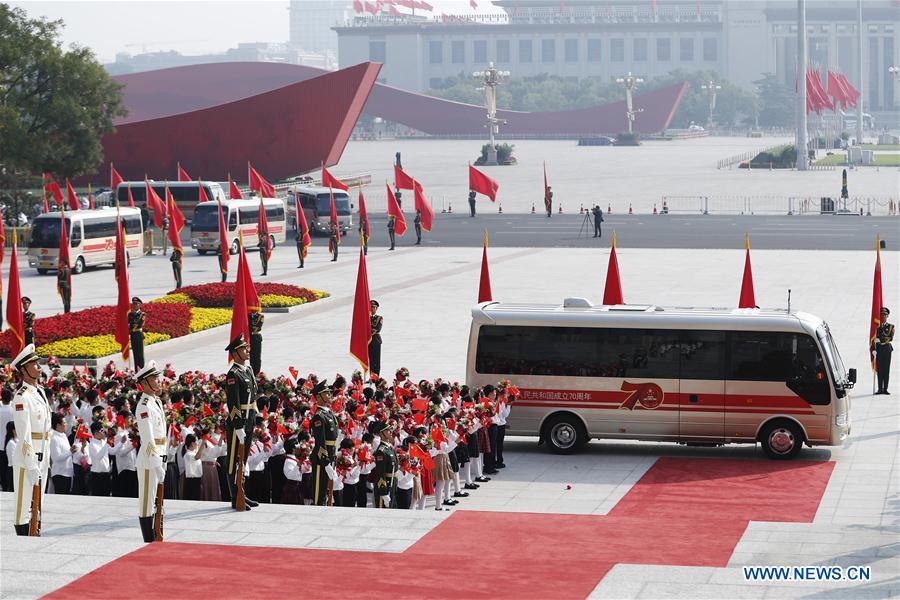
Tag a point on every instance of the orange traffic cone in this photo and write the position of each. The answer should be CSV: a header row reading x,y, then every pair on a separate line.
x,y
630,212
532,208
500,208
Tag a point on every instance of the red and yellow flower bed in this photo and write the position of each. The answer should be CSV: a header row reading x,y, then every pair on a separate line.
x,y
221,295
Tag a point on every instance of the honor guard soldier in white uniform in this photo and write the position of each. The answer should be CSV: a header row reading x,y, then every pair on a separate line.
x,y
31,459
152,454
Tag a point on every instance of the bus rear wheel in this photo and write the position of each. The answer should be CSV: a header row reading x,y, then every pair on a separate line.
x,y
565,434
201,252
43,271
781,440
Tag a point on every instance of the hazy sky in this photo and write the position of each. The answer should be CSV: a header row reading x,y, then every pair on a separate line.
x,y
192,27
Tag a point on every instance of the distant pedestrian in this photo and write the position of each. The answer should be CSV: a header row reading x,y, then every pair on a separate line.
x,y
883,349
391,226
176,260
418,224
598,220
471,203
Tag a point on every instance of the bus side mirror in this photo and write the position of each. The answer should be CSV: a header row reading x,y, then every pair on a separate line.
x,y
851,376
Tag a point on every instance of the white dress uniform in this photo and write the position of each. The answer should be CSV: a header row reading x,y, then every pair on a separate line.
x,y
31,414
151,419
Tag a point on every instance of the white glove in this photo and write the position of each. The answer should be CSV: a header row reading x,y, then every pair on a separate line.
x,y
160,474
241,435
329,470
385,500
34,476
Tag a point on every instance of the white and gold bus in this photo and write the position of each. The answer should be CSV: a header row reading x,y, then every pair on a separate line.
x,y
92,238
241,218
686,375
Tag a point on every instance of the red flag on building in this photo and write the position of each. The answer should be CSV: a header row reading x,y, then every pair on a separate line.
x,y
130,198
223,241
546,191
612,292
333,220
877,302
484,283
74,204
176,219
182,174
748,298
483,184
393,209
402,181
302,226
123,304
233,192
330,181
262,228
361,324
363,213
114,179
423,207
63,258
156,204
259,183
15,318
239,311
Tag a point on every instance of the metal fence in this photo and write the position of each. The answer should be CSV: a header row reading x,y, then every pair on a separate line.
x,y
725,163
779,205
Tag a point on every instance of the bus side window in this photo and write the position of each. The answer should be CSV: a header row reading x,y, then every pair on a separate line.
x,y
76,235
232,221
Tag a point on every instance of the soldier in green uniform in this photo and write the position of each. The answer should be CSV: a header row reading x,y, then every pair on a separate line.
x,y
418,224
386,466
363,228
256,324
241,392
64,285
324,428
263,246
392,225
883,349
333,241
28,318
176,258
223,268
375,342
136,319
301,251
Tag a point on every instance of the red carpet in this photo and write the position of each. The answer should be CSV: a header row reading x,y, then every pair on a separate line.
x,y
688,512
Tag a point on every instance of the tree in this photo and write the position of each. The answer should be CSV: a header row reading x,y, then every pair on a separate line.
x,y
776,102
55,104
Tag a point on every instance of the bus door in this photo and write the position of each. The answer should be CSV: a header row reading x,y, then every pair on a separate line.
x,y
701,397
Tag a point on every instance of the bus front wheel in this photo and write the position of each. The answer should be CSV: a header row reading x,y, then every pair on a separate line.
x,y
565,434
43,271
78,269
781,440
235,247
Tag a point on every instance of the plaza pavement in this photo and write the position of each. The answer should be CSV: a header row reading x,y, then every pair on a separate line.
x,y
426,295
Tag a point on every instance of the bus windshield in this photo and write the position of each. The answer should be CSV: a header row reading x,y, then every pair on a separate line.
x,y
832,356
206,217
45,233
341,204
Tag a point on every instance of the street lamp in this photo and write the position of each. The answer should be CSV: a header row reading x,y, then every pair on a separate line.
x,y
711,88
630,82
491,78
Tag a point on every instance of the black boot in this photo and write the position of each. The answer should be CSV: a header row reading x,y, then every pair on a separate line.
x,y
147,529
23,529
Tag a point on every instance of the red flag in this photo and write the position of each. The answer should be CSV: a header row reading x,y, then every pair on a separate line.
x,y
402,181
371,8
483,184
393,10
330,181
419,404
123,305
363,214
361,324
748,298
262,228
836,91
252,298
423,207
416,452
63,258
90,197
357,6
437,435
259,183
74,204
233,192
114,178
201,195
155,203
130,198
333,219
546,191
302,226
393,209
207,411
877,302
176,220
2,244
182,174
612,292
52,188
223,242
484,284
15,318
82,433
852,92
473,4
239,310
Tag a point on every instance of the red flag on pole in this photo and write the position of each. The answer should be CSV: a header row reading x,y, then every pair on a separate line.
x,y
748,298
250,295
473,4
74,204
123,304
114,179
90,197
233,192
393,209
612,292
15,318
182,174
44,192
416,452
2,254
877,302
546,191
363,213
239,322
259,183
130,198
176,219
302,226
63,258
330,181
262,228
483,184
54,190
357,6
836,91
156,204
333,220
223,242
484,284
423,207
201,193
361,324
402,181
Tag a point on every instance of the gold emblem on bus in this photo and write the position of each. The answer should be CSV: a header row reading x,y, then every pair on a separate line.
x,y
648,395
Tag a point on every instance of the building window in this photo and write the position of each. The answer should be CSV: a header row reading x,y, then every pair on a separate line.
x,y
640,49
664,49
710,49
377,51
525,51
479,50
571,50
594,52
435,53
458,52
502,51
686,49
548,51
617,50
435,83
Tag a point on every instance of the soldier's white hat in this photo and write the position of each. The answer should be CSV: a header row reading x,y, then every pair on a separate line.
x,y
27,355
148,370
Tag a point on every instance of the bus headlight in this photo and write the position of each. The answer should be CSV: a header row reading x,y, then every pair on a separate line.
x,y
842,420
